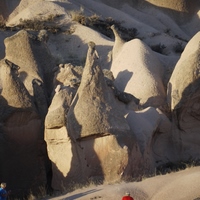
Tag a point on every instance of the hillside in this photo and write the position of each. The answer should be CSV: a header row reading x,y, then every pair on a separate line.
x,y
98,91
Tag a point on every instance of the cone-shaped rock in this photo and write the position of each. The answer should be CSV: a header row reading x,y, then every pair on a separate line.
x,y
14,91
119,42
94,110
33,58
20,133
138,71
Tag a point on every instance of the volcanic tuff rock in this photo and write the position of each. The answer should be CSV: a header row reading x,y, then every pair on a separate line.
x,y
93,126
21,133
24,50
93,94
59,107
137,65
183,98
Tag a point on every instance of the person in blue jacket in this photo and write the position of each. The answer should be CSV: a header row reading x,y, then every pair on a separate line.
x,y
3,192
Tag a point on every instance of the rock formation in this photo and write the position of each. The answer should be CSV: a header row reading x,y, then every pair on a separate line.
x,y
177,8
6,8
119,42
40,97
154,138
14,92
105,118
98,121
36,62
136,64
96,138
21,134
183,98
57,112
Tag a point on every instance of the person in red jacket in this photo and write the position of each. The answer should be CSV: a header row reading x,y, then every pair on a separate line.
x,y
127,196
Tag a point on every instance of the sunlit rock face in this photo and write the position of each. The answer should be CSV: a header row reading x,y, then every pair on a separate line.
x,y
139,72
25,50
183,97
96,142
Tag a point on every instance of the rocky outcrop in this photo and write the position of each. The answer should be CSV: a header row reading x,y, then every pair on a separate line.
x,y
119,42
68,75
33,57
21,134
96,141
40,97
94,129
138,71
14,91
181,11
93,94
57,112
154,138
183,97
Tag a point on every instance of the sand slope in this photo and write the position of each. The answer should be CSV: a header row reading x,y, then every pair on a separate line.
x,y
182,185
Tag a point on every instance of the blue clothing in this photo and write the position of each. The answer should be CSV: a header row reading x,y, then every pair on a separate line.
x,y
3,194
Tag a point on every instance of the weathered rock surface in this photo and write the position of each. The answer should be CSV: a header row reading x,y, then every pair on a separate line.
x,y
183,97
177,8
137,65
56,117
98,136
93,94
21,134
152,130
24,50
94,128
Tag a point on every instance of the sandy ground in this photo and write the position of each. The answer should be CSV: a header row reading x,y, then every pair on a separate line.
x,y
182,185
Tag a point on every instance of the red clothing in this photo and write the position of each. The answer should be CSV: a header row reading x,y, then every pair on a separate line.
x,y
127,198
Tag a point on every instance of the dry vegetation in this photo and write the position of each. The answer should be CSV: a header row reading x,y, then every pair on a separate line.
x,y
36,25
103,25
48,24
